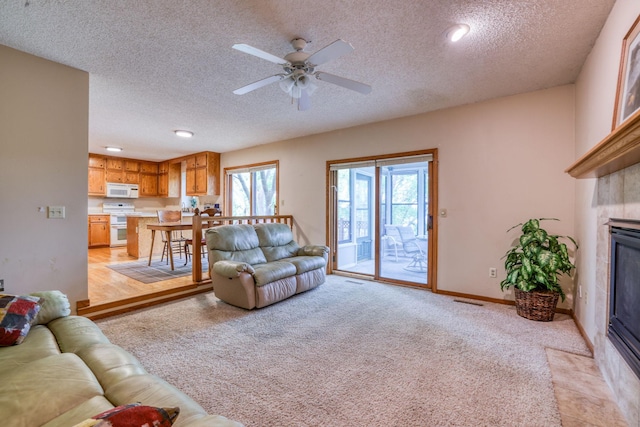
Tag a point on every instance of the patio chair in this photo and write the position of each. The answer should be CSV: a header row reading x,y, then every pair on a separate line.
x,y
392,240
413,248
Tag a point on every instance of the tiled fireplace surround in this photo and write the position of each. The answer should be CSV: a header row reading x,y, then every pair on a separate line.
x,y
618,196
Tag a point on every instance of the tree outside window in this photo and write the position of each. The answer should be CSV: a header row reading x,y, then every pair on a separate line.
x,y
253,191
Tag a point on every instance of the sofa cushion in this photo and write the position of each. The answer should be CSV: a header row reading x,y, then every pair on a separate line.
x,y
272,271
46,388
40,343
234,243
74,333
84,410
306,263
110,363
17,314
276,241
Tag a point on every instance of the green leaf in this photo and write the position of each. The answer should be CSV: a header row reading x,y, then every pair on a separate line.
x,y
527,270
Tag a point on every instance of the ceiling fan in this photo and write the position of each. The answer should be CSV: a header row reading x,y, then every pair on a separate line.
x,y
298,68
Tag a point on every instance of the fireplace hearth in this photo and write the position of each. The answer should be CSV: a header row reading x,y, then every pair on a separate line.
x,y
624,296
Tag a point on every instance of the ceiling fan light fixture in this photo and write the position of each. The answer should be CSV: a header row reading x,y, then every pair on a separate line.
x,y
457,32
183,133
286,84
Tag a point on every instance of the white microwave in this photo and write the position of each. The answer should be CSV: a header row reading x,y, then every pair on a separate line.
x,y
122,191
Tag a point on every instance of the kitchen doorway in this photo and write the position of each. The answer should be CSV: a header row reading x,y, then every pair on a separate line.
x,y
381,220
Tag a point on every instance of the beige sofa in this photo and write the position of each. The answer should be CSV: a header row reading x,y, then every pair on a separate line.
x,y
66,371
252,266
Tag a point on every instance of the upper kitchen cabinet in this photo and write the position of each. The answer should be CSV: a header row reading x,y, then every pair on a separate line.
x,y
97,185
148,179
125,171
169,179
203,174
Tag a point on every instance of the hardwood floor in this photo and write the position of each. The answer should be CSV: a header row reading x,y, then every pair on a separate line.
x,y
105,285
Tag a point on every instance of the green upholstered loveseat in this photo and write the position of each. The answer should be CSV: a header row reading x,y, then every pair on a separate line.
x,y
66,371
252,266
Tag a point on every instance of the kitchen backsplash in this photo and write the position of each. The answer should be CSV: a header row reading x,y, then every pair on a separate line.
x,y
153,204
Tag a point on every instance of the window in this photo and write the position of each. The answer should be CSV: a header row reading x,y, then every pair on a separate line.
x,y
252,190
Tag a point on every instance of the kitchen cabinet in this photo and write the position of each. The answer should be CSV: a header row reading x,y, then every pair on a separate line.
x,y
149,167
115,163
148,185
125,171
203,174
99,233
148,179
96,161
97,185
169,179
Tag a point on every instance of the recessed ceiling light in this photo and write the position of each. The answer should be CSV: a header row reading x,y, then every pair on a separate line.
x,y
457,32
183,133
113,148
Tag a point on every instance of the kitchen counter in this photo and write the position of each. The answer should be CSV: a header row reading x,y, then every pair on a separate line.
x,y
139,236
154,214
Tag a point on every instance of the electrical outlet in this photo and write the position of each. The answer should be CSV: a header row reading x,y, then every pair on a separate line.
x,y
493,272
1,284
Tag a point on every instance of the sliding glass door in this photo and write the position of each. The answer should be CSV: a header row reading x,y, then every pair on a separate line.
x,y
404,220
355,218
380,217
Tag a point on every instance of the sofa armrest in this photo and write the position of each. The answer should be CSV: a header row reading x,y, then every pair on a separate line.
x,y
314,250
232,269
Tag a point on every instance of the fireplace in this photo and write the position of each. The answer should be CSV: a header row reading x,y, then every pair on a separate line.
x,y
624,297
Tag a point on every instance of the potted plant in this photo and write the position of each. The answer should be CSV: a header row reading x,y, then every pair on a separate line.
x,y
533,266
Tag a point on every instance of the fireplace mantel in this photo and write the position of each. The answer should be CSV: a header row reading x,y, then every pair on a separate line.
x,y
619,150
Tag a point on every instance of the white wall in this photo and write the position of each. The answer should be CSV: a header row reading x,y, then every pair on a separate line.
x,y
501,163
595,99
44,110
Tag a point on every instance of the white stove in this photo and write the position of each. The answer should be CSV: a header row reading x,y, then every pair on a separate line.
x,y
118,222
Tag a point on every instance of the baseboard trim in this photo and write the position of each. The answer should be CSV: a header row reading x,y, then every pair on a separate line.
x,y
585,337
101,311
567,311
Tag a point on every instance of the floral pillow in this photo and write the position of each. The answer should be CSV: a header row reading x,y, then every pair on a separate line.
x,y
17,314
133,415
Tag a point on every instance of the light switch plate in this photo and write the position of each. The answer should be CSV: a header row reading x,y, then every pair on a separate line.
x,y
55,212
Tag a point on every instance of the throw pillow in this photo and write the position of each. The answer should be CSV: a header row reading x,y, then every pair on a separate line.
x,y
53,304
17,314
133,415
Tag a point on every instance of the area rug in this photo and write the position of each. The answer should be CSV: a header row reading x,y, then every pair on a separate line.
x,y
157,271
354,353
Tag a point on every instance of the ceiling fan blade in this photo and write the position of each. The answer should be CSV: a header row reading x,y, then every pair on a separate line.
x,y
303,102
328,53
259,84
341,81
259,53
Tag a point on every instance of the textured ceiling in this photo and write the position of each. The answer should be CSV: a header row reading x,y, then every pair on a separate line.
x,y
160,65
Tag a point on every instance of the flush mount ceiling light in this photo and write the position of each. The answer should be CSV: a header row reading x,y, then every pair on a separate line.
x,y
183,133
457,32
116,149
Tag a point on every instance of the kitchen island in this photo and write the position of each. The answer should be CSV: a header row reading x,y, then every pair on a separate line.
x,y
139,236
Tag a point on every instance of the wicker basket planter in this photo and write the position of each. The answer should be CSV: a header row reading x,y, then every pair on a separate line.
x,y
536,305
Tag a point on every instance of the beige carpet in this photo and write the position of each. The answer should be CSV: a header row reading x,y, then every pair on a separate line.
x,y
354,353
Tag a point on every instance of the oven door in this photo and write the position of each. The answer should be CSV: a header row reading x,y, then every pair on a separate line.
x,y
118,230
118,235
